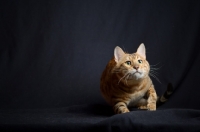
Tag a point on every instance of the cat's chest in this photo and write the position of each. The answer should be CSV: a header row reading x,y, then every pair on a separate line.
x,y
137,95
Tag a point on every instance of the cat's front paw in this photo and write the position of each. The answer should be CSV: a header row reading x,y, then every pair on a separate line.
x,y
120,108
124,110
151,107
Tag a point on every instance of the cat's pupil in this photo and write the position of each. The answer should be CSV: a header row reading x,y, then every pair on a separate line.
x,y
140,61
128,62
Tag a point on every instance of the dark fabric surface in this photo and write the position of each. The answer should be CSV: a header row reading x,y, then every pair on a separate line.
x,y
52,54
99,118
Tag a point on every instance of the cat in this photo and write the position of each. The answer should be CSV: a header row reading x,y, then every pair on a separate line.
x,y
125,82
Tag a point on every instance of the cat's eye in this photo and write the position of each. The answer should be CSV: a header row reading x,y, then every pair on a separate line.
x,y
139,61
128,62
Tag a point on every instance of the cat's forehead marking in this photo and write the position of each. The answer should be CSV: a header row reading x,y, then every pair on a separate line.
x,y
129,57
134,56
137,56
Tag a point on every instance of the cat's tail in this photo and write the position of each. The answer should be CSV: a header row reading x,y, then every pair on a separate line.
x,y
161,100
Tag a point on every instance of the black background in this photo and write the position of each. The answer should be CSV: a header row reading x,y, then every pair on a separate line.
x,y
52,52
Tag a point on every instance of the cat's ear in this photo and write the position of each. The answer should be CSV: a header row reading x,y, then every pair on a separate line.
x,y
141,50
118,53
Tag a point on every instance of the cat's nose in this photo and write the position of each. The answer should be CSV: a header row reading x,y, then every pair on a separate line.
x,y
136,67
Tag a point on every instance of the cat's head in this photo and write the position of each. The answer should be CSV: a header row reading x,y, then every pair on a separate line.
x,y
133,66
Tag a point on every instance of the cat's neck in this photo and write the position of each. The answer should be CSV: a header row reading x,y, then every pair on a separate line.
x,y
134,82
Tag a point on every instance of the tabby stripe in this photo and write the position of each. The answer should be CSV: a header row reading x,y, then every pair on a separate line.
x,y
118,111
166,95
162,99
117,107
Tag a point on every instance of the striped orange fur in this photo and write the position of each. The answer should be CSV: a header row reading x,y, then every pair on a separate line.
x,y
125,82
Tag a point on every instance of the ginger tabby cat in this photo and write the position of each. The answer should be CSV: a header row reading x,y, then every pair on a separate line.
x,y
125,82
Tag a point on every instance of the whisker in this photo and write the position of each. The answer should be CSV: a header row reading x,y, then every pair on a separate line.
x,y
122,77
153,75
155,64
154,68
154,72
127,78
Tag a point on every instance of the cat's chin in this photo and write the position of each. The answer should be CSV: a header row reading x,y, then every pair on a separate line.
x,y
137,73
136,76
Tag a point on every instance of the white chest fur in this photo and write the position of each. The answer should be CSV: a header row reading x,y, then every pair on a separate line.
x,y
136,96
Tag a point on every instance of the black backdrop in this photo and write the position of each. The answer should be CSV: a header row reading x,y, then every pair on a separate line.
x,y
52,53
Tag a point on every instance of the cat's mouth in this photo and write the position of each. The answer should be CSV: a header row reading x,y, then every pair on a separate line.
x,y
137,72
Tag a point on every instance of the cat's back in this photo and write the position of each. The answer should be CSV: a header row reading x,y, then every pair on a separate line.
x,y
108,69
107,73
106,78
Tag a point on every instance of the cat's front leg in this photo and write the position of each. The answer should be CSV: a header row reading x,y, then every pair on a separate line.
x,y
152,98
120,107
